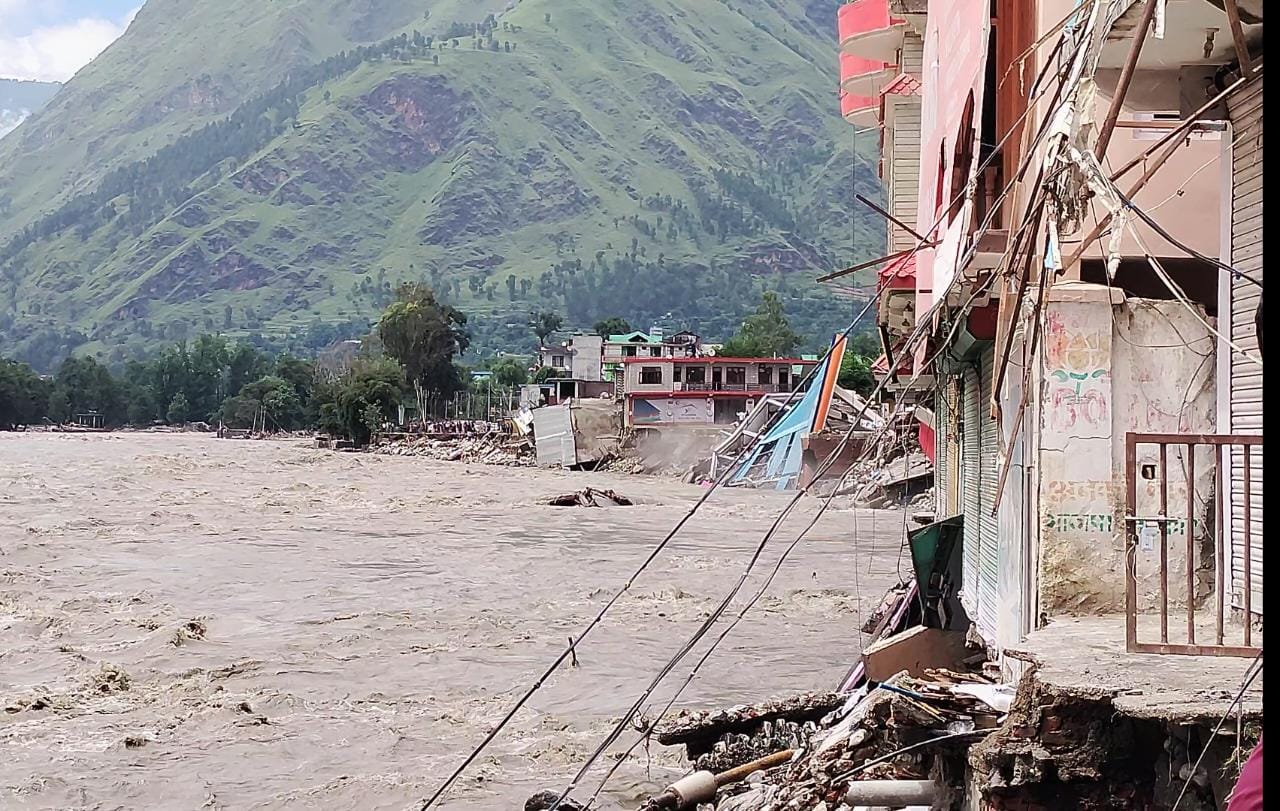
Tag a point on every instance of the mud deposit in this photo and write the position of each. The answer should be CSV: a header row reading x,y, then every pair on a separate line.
x,y
188,622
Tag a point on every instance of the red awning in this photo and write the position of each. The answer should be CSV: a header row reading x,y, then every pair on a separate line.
x,y
899,274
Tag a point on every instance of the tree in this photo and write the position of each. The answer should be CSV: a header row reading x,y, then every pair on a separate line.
x,y
855,373
766,334
509,372
544,325
612,326
270,400
82,385
24,396
373,388
424,335
178,410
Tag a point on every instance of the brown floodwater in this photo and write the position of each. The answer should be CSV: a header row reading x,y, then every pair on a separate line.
x,y
187,622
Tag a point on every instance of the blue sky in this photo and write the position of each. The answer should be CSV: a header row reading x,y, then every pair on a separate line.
x,y
51,39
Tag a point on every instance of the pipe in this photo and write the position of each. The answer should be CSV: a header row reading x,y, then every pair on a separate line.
x,y
891,793
700,787
1126,78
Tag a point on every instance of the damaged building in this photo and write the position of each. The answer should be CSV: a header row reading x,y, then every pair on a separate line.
x,y
1075,192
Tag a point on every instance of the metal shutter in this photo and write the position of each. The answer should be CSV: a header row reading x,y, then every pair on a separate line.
x,y
971,460
1246,377
943,433
988,523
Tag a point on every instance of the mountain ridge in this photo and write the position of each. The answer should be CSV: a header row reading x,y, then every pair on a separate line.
x,y
551,161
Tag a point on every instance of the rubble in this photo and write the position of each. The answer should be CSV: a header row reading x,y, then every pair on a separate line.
x,y
839,737
487,449
589,497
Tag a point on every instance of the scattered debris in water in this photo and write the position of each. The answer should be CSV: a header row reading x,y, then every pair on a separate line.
x,y
590,497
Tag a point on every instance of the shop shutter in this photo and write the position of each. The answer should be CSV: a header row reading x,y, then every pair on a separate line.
x,y
988,523
1246,377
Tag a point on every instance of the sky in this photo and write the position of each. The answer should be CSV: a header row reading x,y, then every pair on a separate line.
x,y
50,40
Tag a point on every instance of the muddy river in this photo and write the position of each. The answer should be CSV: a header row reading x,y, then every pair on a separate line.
x,y
188,622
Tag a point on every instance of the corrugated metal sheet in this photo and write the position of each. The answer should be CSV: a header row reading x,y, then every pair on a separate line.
x,y
1246,377
971,462
988,523
944,434
553,436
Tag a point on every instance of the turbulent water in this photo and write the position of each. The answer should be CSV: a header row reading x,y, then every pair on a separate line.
x,y
188,622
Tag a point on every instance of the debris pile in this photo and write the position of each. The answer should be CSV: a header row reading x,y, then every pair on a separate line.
x,y
485,449
905,734
590,497
891,471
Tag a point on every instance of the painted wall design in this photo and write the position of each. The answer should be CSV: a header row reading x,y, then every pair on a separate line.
x,y
1078,373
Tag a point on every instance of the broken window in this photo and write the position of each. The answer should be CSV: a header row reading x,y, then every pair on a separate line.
x,y
650,375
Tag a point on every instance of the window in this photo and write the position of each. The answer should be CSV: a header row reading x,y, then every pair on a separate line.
x,y
628,351
557,361
736,376
650,375
655,351
675,373
784,376
695,374
766,374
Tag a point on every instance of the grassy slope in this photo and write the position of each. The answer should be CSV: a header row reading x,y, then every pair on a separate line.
x,y
181,64
609,103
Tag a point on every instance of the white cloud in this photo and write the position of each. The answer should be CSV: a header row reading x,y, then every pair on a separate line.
x,y
54,53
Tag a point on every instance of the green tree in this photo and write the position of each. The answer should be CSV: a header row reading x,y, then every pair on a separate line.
x,y
179,409
271,401
83,385
612,326
424,335
372,387
855,373
765,334
544,325
24,395
509,372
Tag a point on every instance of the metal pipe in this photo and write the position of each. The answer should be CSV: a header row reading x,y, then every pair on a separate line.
x,y
1126,78
891,793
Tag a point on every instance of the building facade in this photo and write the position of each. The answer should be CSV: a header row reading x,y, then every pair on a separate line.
x,y
703,390
1074,268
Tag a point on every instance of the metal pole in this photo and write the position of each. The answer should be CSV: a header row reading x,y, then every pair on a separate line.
x,y
1237,35
1126,78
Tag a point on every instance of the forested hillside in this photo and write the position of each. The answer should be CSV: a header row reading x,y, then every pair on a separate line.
x,y
661,160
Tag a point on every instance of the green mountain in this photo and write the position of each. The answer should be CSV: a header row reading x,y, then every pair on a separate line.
x,y
276,168
19,99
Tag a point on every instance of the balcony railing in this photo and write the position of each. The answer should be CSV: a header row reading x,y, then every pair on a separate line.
x,y
867,29
767,388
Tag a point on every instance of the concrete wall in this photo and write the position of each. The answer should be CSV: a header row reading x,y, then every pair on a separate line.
x,y
1110,368
587,356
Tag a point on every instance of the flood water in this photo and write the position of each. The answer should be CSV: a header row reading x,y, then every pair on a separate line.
x,y
187,622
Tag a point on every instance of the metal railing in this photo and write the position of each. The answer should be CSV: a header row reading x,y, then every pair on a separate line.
x,y
1144,530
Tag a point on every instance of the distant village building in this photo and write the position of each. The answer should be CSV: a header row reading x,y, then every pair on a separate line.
x,y
703,390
